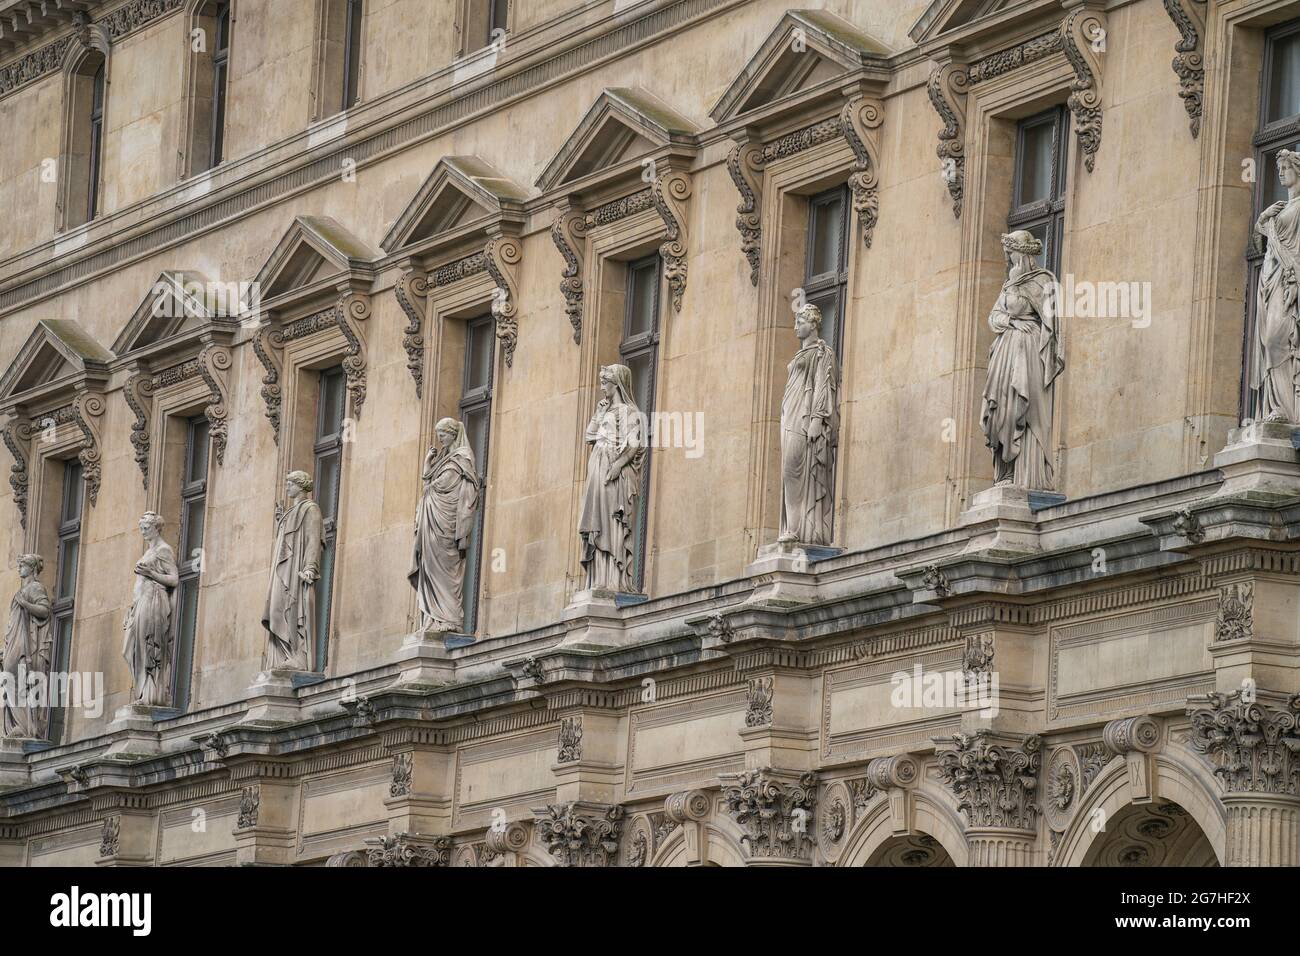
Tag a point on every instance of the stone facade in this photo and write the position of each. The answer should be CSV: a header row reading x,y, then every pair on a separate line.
x,y
967,673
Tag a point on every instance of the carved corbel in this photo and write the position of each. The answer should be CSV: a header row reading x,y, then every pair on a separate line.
x,y
268,346
1135,739
1083,38
860,121
669,194
87,408
569,233
138,393
745,163
896,776
91,36
411,291
947,87
352,309
502,254
214,363
1189,61
17,435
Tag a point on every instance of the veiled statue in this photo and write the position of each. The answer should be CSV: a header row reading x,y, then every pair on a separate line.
x,y
1275,370
810,427
150,625
443,524
1025,360
29,639
607,524
290,615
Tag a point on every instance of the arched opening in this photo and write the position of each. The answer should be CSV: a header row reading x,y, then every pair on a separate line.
x,y
211,23
1154,834
87,101
917,850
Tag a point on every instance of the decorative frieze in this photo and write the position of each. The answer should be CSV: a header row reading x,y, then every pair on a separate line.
x,y
947,88
758,702
996,784
1236,615
570,748
400,785
801,139
1083,38
250,803
860,119
618,209
410,291
568,232
580,834
1005,61
1254,746
745,164
1189,60
774,811
463,268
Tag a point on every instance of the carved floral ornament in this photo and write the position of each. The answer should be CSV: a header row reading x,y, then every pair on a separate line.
x,y
580,834
1254,745
996,783
774,810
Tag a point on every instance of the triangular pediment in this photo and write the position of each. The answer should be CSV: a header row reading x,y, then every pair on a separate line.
x,y
622,125
177,302
460,192
807,49
313,250
57,349
947,16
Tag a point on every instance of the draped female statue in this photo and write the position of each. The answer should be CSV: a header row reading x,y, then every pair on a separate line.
x,y
810,423
444,521
151,621
1275,368
29,639
607,524
1024,361
290,615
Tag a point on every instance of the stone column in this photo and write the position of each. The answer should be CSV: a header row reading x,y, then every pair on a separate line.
x,y
128,837
266,826
1254,745
587,767
995,780
419,795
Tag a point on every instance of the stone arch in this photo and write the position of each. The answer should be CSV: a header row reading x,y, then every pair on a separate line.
x,y
1178,778
722,848
931,816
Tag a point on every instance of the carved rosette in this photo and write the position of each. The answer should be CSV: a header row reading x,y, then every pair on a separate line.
x,y
410,290
502,254
214,363
860,119
996,785
250,802
774,812
745,164
268,344
1064,787
640,843
1235,619
570,748
17,435
568,232
401,776
580,834
758,702
351,310
1253,745
410,850
1083,39
1189,63
138,393
947,88
87,408
670,193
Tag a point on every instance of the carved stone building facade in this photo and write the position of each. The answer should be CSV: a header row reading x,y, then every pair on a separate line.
x,y
250,238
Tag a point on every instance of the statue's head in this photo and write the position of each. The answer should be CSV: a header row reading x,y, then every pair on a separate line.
x,y
1288,167
808,321
447,429
616,383
30,565
1021,245
151,524
297,483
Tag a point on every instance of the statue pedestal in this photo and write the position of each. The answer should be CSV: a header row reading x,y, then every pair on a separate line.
x,y
594,618
1008,514
273,695
423,659
15,771
1260,460
133,730
785,570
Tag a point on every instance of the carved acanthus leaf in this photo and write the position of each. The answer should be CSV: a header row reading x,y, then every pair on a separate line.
x,y
502,255
774,811
1255,747
410,290
670,193
860,121
996,785
1189,61
947,88
745,164
1083,38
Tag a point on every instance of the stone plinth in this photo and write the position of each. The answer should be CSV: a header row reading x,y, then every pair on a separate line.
x,y
1009,513
273,695
423,658
786,570
1260,460
593,618
133,729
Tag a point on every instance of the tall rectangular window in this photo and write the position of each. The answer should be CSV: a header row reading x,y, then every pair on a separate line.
x,y
1038,192
638,351
65,580
1278,128
328,451
352,53
189,557
476,414
826,274
96,140
220,74
498,12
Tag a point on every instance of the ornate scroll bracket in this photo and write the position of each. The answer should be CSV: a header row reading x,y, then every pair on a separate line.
x,y
860,121
774,813
996,785
947,87
87,408
1083,38
670,193
580,834
214,363
1254,746
17,435
745,164
138,393
502,255
1189,61
352,309
268,344
411,291
568,232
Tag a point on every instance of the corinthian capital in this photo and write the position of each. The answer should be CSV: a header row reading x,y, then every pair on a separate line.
x,y
1253,745
995,784
774,810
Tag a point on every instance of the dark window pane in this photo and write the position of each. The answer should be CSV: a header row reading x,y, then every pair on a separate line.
x,y
1284,79
476,430
642,290
327,485
827,234
331,403
324,588
194,527
1035,179
478,355
198,448
829,303
642,370
72,492
189,601
352,54
67,584
1040,232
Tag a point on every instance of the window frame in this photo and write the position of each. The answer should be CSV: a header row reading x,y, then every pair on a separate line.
x,y
63,607
475,398
193,491
95,155
634,346
220,82
1049,212
353,20
818,286
324,446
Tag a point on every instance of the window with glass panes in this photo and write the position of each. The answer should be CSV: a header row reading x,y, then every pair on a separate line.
x,y
352,53
638,352
328,475
1278,129
65,579
826,271
498,11
96,140
194,499
476,415
1038,190
220,73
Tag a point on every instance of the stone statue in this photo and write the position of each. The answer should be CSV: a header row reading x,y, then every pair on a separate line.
x,y
290,615
443,523
29,639
151,621
607,524
810,428
1024,361
1275,371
